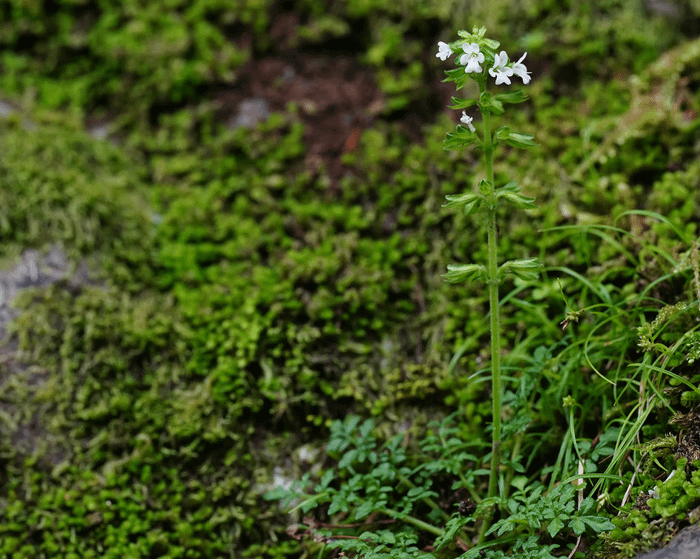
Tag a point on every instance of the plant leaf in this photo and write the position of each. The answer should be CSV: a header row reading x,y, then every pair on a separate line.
x,y
526,269
597,523
555,526
517,200
461,199
459,272
515,139
517,96
458,103
463,137
452,528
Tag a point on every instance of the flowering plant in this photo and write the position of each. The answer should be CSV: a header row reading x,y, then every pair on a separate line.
x,y
382,503
479,50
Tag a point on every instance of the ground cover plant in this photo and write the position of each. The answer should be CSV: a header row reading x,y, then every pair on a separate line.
x,y
255,318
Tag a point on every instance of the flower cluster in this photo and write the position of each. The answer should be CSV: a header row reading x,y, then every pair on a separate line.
x,y
472,59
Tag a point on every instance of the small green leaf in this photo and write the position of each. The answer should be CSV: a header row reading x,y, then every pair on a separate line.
x,y
460,272
461,138
517,96
452,74
461,199
519,482
512,186
339,503
555,526
365,509
348,458
473,207
452,528
520,140
457,76
485,187
458,103
577,526
517,200
470,201
325,480
416,493
485,99
514,139
587,505
496,107
526,269
598,523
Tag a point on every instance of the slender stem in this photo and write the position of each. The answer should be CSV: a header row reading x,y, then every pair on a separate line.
x,y
415,521
427,500
518,440
496,389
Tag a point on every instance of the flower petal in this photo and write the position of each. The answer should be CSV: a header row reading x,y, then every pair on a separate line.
x,y
444,51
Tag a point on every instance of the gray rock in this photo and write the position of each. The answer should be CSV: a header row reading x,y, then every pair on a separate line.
x,y
686,545
664,8
250,112
35,270
99,131
6,109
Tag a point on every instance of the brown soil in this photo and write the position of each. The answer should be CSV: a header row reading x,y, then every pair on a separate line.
x,y
337,97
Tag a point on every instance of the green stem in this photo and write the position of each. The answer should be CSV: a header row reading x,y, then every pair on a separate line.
x,y
427,500
412,520
496,389
513,457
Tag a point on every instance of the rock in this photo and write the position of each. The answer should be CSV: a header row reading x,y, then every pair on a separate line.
x,y
6,109
35,270
99,131
686,545
250,112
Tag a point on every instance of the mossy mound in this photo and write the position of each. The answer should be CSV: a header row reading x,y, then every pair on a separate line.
x,y
241,301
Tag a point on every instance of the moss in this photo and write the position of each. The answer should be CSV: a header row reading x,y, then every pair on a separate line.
x,y
265,302
61,186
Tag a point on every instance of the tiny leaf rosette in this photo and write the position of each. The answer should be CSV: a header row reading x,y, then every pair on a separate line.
x,y
461,272
471,201
488,102
484,187
463,137
525,269
514,138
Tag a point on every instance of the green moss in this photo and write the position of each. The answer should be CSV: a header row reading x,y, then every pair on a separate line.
x,y
266,302
123,56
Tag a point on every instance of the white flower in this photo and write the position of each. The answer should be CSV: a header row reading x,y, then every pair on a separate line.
x,y
444,51
500,70
472,58
654,493
468,121
521,71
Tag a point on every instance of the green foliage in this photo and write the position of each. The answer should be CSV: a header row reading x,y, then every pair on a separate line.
x,y
370,480
57,185
136,57
642,527
268,293
130,56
